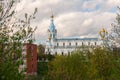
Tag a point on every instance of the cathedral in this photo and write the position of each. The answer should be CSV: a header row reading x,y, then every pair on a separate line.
x,y
64,46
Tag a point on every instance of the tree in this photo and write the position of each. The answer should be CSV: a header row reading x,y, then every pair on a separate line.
x,y
73,67
40,52
14,32
41,49
103,65
82,64
114,37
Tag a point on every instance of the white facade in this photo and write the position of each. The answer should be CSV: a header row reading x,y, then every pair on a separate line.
x,y
65,46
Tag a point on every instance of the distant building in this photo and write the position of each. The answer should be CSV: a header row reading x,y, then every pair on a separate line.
x,y
31,50
30,59
65,46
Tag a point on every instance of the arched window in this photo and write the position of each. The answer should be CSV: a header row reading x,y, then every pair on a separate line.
x,y
82,43
63,44
69,44
57,44
76,44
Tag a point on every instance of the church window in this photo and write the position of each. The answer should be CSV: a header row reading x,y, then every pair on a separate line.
x,y
95,43
69,44
63,44
82,43
76,44
57,44
55,31
88,43
48,50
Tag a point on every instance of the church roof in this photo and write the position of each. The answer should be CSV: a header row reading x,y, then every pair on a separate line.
x,y
82,39
52,26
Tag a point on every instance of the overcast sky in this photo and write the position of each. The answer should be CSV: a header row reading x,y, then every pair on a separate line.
x,y
73,18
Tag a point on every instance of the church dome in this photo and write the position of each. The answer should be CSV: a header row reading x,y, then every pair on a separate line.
x,y
52,26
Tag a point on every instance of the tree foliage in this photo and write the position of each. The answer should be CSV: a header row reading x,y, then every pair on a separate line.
x,y
40,52
100,64
14,32
103,65
115,34
72,67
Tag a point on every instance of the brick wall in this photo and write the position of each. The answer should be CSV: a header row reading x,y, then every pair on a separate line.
x,y
31,59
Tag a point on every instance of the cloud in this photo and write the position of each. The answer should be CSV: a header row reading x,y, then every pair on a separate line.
x,y
82,24
87,22
89,5
72,17
77,24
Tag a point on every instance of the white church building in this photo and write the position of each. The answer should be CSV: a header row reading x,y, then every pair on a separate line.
x,y
65,46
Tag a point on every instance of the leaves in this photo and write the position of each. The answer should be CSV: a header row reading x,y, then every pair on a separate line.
x,y
13,33
99,65
114,36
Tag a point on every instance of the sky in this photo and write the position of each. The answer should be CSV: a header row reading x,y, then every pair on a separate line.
x,y
72,18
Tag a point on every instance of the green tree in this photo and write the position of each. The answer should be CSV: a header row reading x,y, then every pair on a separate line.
x,y
42,69
103,65
85,64
41,52
72,67
13,33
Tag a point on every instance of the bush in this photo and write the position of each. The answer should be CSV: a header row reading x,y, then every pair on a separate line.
x,y
100,64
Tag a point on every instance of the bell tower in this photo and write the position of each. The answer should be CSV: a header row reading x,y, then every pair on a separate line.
x,y
52,32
